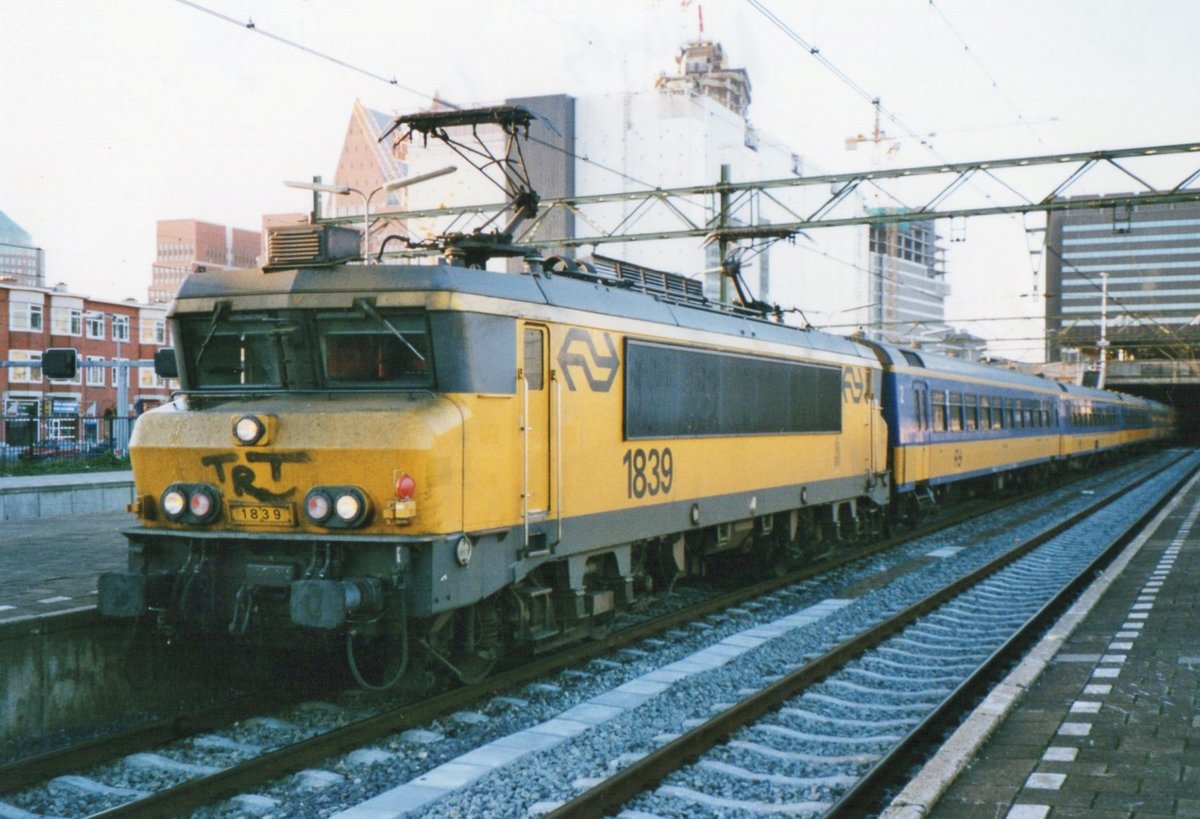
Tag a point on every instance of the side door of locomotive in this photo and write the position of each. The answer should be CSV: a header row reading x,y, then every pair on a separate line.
x,y
533,385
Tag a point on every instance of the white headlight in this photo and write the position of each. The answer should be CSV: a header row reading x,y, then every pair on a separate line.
x,y
173,503
347,507
462,550
248,429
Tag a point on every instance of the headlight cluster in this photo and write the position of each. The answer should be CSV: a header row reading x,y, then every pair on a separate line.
x,y
195,503
253,430
337,507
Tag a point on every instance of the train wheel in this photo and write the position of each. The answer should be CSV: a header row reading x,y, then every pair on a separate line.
x,y
468,642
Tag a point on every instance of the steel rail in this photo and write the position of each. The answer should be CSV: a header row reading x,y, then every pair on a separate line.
x,y
641,775
870,790
29,771
205,790
195,793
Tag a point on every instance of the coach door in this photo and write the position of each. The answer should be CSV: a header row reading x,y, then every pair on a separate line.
x,y
534,383
917,449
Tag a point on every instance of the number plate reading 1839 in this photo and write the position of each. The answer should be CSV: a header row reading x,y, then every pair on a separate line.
x,y
262,514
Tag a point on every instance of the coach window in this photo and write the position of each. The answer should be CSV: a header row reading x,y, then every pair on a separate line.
x,y
920,413
938,398
985,412
971,419
956,412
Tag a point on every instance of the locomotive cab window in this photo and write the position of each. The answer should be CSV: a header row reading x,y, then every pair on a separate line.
x,y
239,349
376,349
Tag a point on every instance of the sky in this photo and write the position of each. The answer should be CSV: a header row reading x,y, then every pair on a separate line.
x,y
115,115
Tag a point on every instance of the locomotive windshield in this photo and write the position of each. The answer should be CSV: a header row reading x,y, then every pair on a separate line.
x,y
377,350
359,348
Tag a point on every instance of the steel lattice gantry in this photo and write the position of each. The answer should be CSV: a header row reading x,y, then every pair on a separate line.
x,y
732,211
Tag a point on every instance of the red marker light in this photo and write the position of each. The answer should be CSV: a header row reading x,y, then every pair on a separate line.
x,y
406,487
201,504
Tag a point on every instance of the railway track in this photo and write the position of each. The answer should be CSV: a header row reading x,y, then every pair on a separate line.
x,y
849,723
240,767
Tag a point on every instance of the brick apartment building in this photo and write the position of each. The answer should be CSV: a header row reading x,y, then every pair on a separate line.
x,y
186,246
33,319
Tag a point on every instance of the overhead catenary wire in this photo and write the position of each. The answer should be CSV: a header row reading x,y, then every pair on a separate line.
x,y
833,68
250,25
991,79
859,90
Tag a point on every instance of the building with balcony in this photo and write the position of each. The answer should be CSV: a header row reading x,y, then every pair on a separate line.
x,y
908,283
1134,270
186,246
1126,282
36,408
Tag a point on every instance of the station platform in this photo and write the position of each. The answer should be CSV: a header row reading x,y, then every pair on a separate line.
x,y
50,565
1102,719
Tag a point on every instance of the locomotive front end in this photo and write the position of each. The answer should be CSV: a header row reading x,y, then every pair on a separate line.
x,y
286,493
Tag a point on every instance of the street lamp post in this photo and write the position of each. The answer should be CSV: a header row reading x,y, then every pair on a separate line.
x,y
343,190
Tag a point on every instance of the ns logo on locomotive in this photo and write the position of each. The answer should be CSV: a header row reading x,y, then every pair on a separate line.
x,y
438,466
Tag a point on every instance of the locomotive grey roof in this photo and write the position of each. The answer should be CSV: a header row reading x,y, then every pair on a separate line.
x,y
558,291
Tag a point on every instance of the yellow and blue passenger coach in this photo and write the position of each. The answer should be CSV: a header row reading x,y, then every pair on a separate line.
x,y
469,461
957,422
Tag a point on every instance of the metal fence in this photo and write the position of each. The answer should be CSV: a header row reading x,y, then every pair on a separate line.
x,y
28,439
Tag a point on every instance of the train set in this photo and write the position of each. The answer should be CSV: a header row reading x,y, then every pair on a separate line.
x,y
445,465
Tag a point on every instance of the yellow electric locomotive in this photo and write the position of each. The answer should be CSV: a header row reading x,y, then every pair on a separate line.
x,y
469,461
440,465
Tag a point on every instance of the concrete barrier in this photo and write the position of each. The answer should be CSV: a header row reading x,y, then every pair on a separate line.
x,y
45,496
75,672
